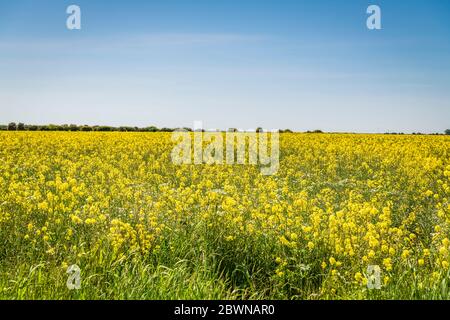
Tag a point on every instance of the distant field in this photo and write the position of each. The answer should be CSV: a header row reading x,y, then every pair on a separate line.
x,y
140,227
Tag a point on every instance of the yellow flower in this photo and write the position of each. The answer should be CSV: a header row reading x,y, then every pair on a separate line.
x,y
76,219
332,261
429,193
435,276
405,254
90,221
387,264
229,238
284,241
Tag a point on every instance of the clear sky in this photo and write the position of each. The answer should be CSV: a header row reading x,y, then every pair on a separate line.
x,y
275,63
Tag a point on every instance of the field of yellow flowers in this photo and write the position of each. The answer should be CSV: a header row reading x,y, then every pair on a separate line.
x,y
140,227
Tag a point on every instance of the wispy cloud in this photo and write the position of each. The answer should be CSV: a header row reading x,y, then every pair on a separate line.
x,y
143,41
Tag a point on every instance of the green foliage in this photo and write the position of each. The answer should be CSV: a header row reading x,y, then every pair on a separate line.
x,y
151,129
86,128
314,131
73,127
32,128
103,128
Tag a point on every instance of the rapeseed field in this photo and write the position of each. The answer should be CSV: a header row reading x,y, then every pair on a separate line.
x,y
139,226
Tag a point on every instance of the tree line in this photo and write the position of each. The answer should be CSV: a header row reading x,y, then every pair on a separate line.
x,y
73,127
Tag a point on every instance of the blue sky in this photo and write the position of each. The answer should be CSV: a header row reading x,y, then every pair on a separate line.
x,y
276,64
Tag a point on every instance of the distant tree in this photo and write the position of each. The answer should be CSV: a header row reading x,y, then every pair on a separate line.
x,y
73,127
21,126
12,126
103,128
287,131
33,128
86,128
447,132
50,127
126,129
166,130
53,127
152,129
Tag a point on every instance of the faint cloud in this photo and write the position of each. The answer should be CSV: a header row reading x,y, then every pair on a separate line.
x,y
143,41
194,39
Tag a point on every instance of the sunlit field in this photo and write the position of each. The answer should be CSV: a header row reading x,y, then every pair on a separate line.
x,y
141,227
